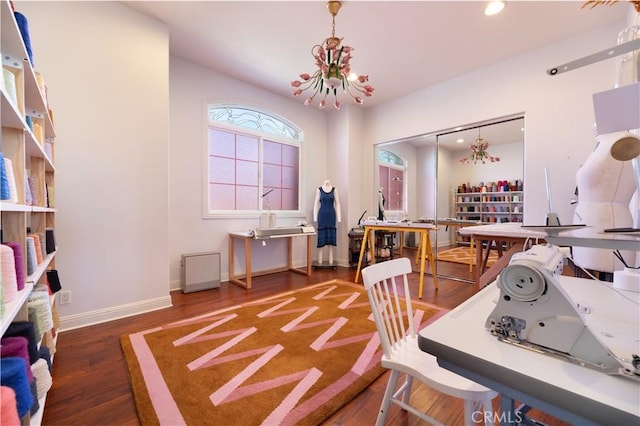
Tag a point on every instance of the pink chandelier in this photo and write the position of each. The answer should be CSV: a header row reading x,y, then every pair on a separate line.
x,y
334,70
479,152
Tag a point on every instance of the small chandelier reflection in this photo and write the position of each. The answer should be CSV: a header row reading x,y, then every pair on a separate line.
x,y
334,70
479,152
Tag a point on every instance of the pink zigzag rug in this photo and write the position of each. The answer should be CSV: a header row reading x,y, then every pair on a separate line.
x,y
294,358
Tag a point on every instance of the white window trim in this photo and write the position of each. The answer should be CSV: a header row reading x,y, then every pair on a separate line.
x,y
248,214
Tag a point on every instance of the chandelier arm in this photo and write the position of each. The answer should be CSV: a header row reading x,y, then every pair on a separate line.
x,y
333,62
355,96
339,54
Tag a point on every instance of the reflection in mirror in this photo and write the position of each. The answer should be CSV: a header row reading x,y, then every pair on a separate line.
x,y
406,172
420,177
480,171
391,171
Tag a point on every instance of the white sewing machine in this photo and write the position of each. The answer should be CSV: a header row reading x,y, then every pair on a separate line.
x,y
535,312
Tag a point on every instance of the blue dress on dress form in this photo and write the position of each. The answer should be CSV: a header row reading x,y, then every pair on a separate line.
x,y
327,219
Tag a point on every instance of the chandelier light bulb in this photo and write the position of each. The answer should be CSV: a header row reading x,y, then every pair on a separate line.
x,y
334,71
493,8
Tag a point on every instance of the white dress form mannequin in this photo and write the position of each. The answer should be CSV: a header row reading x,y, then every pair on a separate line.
x,y
326,187
605,188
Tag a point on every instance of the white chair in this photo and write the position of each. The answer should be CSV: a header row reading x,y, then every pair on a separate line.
x,y
395,323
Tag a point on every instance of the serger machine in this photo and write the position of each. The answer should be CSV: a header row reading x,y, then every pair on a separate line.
x,y
535,312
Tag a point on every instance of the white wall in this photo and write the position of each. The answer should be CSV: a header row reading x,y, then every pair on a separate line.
x,y
558,113
106,68
191,88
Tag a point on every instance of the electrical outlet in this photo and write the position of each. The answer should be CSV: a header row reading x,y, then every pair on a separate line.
x,y
64,297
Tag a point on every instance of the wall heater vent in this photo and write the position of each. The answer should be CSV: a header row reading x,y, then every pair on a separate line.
x,y
200,271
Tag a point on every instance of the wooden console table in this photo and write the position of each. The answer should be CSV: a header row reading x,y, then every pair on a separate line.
x,y
244,280
424,250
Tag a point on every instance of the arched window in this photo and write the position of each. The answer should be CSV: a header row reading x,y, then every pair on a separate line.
x,y
391,169
253,162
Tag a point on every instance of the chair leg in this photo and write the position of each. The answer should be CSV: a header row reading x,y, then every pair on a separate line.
x,y
407,389
386,399
487,406
469,409
476,412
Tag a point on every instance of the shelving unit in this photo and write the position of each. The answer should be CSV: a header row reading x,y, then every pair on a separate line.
x,y
490,207
27,140
385,245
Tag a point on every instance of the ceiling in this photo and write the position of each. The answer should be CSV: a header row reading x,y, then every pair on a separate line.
x,y
502,132
402,45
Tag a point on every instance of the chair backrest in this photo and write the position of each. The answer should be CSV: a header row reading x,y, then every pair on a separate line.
x,y
392,312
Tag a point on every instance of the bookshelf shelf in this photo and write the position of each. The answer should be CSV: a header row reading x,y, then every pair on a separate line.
x,y
27,142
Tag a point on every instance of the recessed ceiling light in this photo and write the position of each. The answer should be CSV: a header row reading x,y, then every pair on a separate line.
x,y
494,8
460,140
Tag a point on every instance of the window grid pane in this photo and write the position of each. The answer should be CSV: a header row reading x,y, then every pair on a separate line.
x,y
243,166
392,184
250,119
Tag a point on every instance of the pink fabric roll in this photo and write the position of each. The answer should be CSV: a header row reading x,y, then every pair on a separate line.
x,y
19,260
8,407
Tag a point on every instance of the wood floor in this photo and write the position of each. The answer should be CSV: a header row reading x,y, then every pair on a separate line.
x,y
91,384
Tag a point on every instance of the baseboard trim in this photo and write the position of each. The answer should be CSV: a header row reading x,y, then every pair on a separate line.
x,y
99,316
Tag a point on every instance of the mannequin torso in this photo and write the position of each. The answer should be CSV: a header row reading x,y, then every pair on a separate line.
x,y
605,188
326,213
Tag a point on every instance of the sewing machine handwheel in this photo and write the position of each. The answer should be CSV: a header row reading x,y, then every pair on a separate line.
x,y
522,282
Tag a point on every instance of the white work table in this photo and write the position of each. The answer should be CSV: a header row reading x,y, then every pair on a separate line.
x,y
568,391
590,237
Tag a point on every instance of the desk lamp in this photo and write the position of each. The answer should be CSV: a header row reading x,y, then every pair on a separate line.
x,y
627,148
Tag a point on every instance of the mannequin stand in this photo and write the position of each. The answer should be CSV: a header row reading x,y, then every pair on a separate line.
x,y
320,264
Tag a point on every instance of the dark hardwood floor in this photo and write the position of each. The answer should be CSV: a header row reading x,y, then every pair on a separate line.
x,y
90,379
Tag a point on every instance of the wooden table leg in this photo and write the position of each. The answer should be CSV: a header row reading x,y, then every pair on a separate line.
x,y
478,272
471,254
432,261
233,278
485,258
363,247
247,261
372,245
424,240
232,274
308,255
